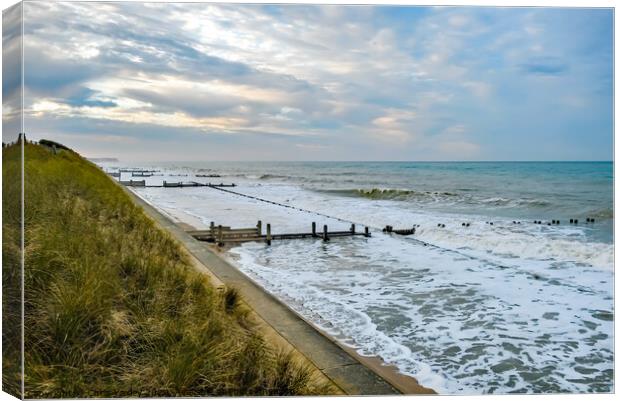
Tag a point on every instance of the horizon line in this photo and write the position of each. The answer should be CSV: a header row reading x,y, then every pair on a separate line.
x,y
361,161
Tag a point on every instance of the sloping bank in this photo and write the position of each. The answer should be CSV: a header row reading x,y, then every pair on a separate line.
x,y
115,306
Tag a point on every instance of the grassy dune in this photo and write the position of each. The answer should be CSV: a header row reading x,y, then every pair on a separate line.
x,y
113,306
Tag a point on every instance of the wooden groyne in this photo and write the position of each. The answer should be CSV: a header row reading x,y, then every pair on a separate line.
x,y
166,184
224,234
132,183
185,184
402,231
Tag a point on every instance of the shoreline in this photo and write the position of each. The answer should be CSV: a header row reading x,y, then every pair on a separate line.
x,y
342,375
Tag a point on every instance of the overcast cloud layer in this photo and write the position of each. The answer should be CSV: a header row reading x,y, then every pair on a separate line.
x,y
252,82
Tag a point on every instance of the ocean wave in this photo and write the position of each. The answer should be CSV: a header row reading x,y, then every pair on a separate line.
x,y
264,176
339,174
388,193
498,201
505,242
273,176
439,196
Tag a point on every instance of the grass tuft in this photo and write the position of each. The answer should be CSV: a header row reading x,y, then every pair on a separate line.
x,y
231,297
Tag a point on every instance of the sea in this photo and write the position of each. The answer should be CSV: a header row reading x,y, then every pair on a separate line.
x,y
487,296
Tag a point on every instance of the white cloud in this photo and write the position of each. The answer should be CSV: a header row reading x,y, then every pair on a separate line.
x,y
394,125
348,73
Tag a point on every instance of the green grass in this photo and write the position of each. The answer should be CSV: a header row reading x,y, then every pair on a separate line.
x,y
113,306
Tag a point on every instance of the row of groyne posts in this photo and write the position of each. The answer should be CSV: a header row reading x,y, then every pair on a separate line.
x,y
227,234
165,184
222,235
134,172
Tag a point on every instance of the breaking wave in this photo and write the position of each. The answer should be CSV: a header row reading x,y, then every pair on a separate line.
x,y
388,194
434,196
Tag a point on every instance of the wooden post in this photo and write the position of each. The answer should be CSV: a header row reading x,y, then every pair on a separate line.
x,y
259,228
325,237
268,234
352,228
220,235
313,229
366,232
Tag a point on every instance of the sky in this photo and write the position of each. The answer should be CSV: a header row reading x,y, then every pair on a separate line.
x,y
199,81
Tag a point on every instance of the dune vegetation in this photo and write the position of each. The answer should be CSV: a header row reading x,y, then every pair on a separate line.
x,y
114,307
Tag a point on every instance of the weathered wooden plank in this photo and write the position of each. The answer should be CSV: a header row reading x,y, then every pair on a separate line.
x,y
244,239
227,231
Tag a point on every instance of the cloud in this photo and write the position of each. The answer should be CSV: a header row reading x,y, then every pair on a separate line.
x,y
366,81
395,124
11,73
